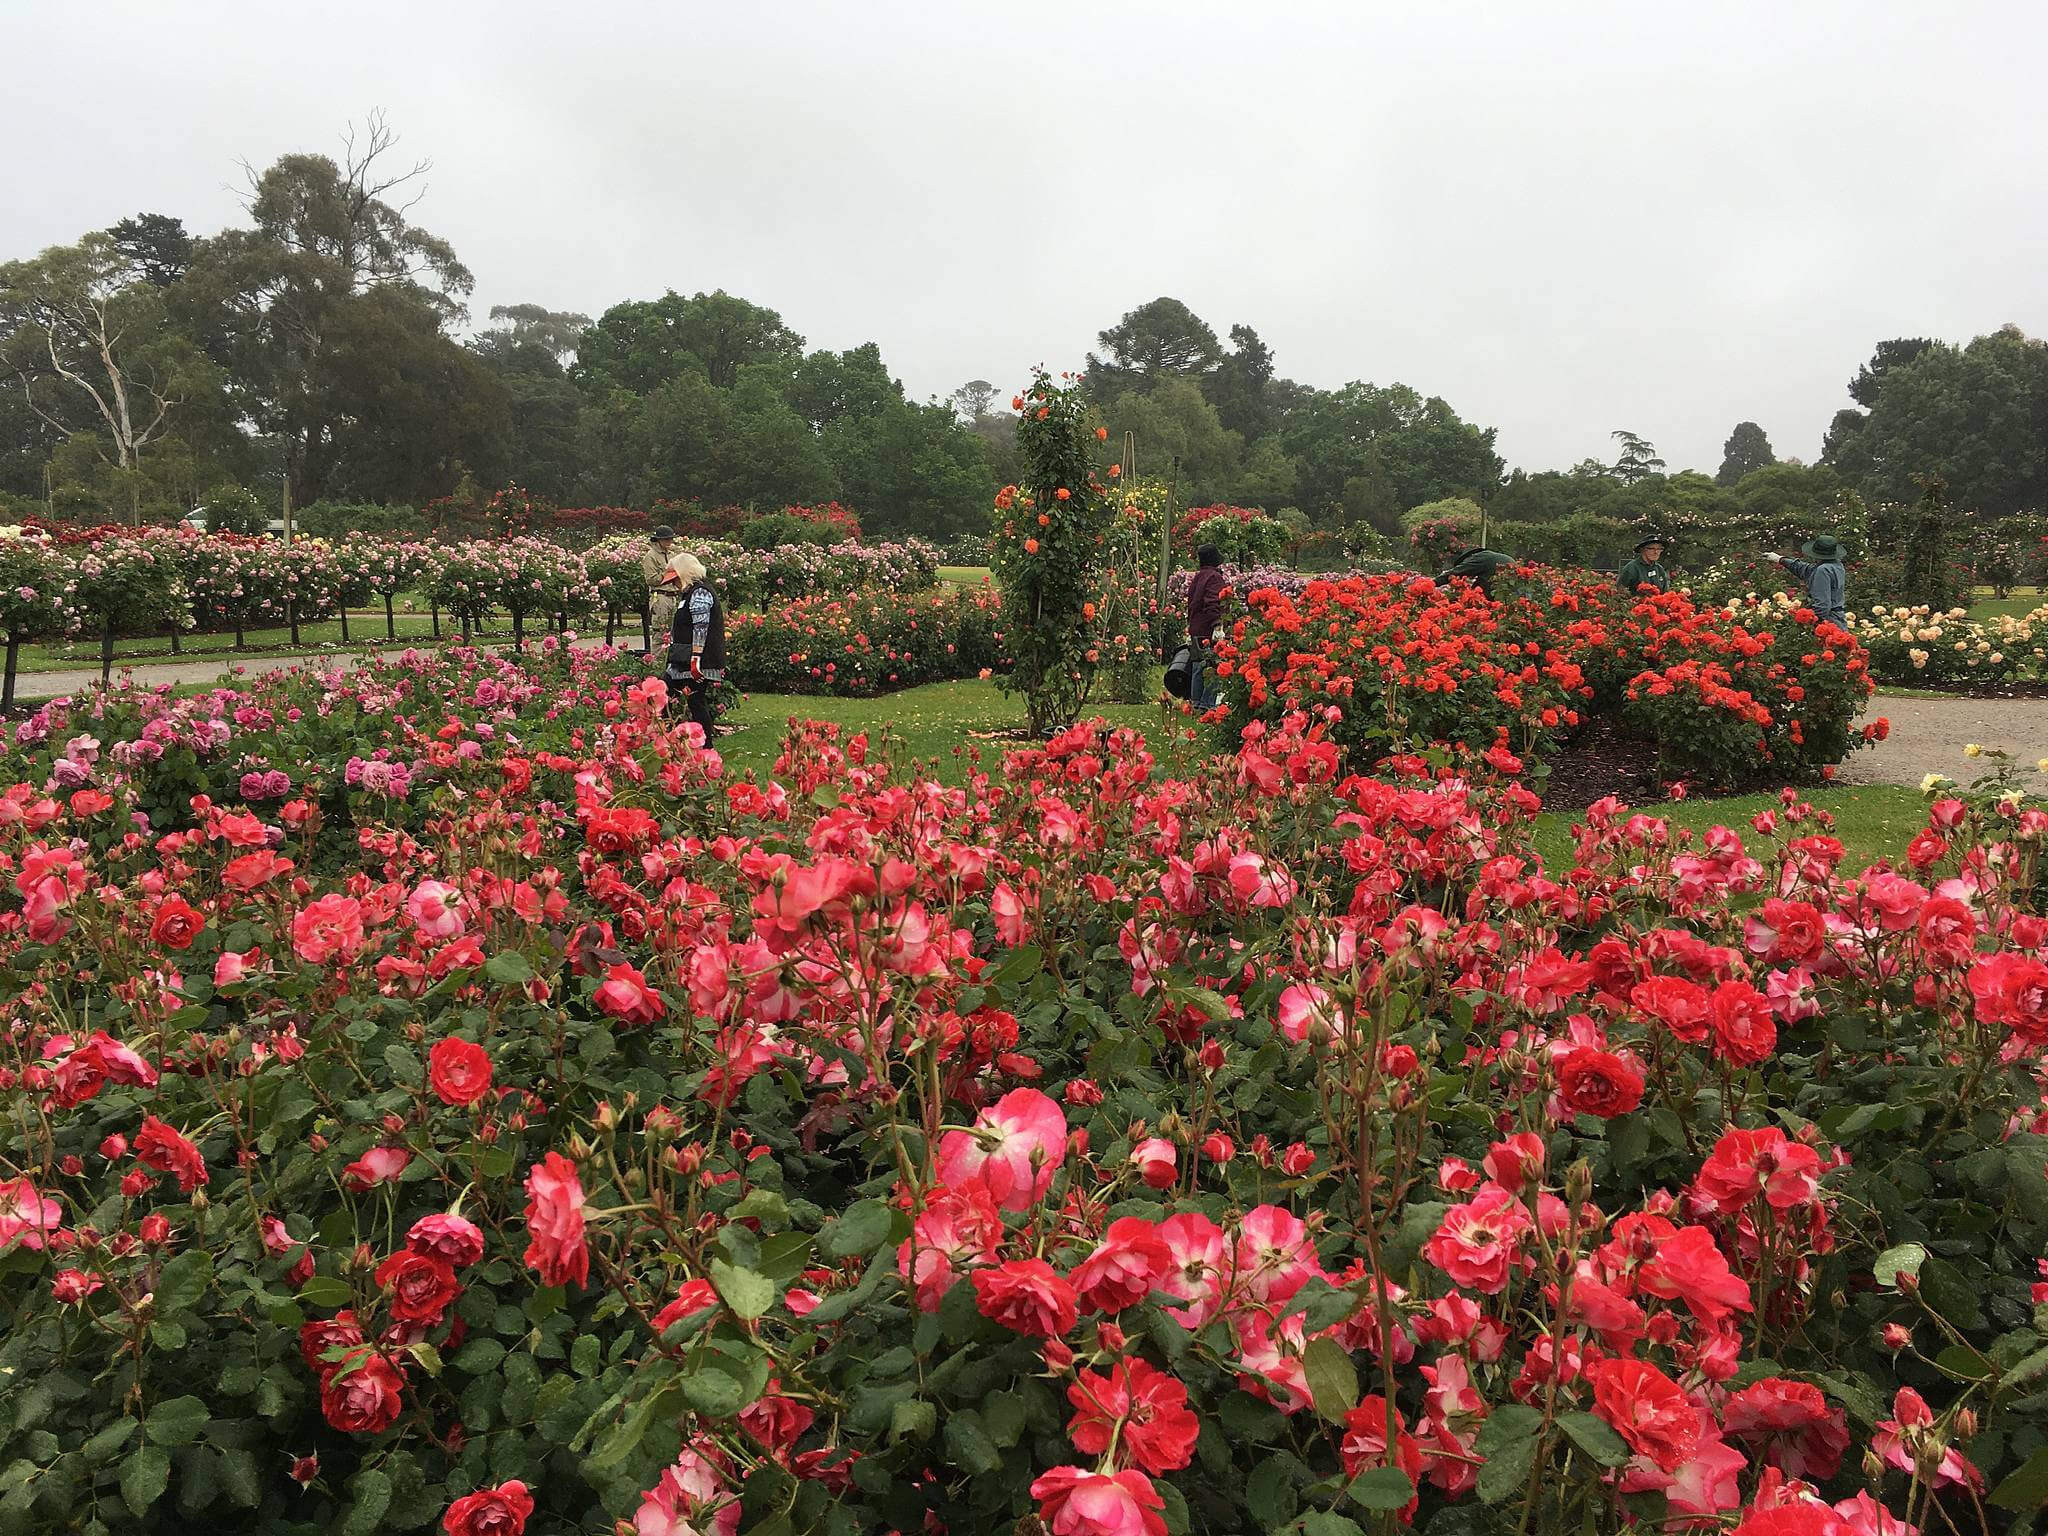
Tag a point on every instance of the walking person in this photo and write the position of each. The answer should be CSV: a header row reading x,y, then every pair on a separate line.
x,y
1826,578
696,650
1205,626
661,600
1645,568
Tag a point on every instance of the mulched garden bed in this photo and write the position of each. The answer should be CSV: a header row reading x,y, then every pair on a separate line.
x,y
1601,759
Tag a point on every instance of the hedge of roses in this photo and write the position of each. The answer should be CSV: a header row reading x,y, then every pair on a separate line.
x,y
1919,646
1727,700
583,1135
868,643
1242,535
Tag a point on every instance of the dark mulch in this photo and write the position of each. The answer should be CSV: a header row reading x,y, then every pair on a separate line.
x,y
1601,759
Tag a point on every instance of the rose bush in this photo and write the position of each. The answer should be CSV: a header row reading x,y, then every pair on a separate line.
x,y
581,1134
868,643
1729,696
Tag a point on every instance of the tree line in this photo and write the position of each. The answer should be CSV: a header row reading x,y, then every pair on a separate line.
x,y
321,349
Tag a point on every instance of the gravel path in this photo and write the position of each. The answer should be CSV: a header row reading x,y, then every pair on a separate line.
x,y
1928,736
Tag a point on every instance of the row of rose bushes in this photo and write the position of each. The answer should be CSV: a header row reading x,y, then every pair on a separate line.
x,y
1916,645
580,1135
866,643
128,581
1765,695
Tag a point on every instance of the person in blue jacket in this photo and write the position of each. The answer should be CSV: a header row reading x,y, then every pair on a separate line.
x,y
1827,582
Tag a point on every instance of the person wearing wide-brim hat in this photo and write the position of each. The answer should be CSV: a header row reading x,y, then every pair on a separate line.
x,y
1827,580
661,601
1646,567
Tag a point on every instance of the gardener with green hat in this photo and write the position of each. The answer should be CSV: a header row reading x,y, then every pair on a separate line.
x,y
1646,567
1827,583
1476,564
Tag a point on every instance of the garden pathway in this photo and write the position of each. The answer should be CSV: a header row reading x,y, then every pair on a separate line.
x,y
1928,736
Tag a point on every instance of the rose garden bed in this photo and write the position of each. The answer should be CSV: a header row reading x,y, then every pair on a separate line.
x,y
445,1095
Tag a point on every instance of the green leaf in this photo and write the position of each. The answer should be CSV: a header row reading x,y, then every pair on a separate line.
x,y
479,1357
746,1292
1332,1379
1269,1493
508,968
1507,1470
109,1440
1905,1259
714,1392
1320,1522
625,1437
860,1228
144,1475
764,1206
177,1421
2027,1488
1945,1290
1963,1362
914,1418
1381,1488
183,1280
372,1490
1507,1424
1595,1437
326,1291
1023,963
968,1444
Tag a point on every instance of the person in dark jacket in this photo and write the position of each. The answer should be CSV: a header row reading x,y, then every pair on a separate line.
x,y
1205,625
696,649
1646,567
1477,565
1827,580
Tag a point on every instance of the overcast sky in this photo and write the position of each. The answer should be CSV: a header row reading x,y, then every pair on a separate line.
x,y
1563,218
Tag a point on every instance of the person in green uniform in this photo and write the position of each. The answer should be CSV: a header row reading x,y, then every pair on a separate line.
x,y
1646,567
1476,564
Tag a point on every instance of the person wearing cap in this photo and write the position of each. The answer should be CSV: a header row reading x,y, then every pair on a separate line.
x,y
661,600
1476,564
1646,567
696,649
1827,581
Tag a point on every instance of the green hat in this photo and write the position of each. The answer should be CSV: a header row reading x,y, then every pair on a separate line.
x,y
1822,547
1652,537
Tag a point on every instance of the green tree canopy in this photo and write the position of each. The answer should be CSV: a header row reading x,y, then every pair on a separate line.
x,y
643,344
1747,449
1152,343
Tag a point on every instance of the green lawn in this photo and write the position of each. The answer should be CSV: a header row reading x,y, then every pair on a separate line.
x,y
2024,600
943,723
964,575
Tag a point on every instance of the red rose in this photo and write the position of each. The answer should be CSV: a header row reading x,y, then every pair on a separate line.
x,y
362,1396
1124,1267
1688,1266
1743,1029
315,1339
554,1222
176,924
165,1150
499,1511
459,1070
1158,1429
1075,1502
1027,1297
1646,1408
1596,1082
421,1286
625,994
